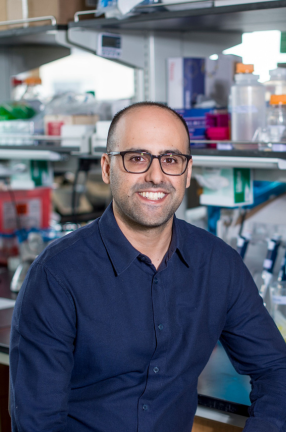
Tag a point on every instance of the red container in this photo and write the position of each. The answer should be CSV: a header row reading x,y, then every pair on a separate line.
x,y
24,209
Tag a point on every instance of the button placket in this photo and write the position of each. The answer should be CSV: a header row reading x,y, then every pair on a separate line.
x,y
157,363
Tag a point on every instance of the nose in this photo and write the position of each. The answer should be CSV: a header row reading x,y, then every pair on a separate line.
x,y
154,173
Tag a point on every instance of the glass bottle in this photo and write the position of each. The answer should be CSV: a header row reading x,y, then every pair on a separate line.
x,y
277,83
276,118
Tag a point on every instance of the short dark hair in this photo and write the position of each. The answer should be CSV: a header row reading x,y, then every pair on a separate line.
x,y
117,117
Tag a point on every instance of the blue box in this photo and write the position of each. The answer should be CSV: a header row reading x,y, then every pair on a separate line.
x,y
186,80
196,122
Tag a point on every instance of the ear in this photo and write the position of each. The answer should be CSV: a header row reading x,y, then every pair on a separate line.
x,y
189,173
105,168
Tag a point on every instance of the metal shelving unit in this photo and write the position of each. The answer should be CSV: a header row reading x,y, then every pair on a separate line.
x,y
241,18
27,48
37,35
30,154
147,41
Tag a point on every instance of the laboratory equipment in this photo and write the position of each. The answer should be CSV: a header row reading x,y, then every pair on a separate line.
x,y
277,83
276,118
268,267
247,104
242,244
34,93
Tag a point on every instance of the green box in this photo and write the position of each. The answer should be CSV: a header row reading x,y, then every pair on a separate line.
x,y
227,187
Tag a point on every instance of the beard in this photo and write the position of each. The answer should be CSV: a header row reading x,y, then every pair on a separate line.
x,y
143,215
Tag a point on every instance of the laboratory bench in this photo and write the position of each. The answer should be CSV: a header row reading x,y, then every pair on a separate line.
x,y
223,395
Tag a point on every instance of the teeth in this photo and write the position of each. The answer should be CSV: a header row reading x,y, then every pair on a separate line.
x,y
154,196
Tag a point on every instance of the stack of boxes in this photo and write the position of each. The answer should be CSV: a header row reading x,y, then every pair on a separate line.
x,y
194,79
62,10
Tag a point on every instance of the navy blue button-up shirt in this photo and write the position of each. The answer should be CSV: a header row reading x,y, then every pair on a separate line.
x,y
102,342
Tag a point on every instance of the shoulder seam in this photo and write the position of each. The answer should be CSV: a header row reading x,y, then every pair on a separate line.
x,y
59,282
62,250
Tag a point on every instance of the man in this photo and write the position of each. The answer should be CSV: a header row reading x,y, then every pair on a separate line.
x,y
116,321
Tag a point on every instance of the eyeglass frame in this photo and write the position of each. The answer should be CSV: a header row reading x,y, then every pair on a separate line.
x,y
123,153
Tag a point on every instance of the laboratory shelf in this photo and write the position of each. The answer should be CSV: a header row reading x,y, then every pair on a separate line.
x,y
239,159
47,155
269,15
42,147
33,35
201,157
228,158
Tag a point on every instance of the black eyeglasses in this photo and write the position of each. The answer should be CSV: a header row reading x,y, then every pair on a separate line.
x,y
138,162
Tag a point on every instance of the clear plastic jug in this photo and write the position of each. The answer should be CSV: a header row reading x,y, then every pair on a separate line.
x,y
247,104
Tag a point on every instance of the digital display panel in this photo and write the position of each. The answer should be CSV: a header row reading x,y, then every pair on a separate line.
x,y
111,41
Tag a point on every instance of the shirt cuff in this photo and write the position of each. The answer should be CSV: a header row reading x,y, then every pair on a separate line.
x,y
255,424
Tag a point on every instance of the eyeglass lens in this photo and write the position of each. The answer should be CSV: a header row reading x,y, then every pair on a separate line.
x,y
140,162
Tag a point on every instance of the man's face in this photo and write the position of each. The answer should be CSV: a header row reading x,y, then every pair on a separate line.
x,y
149,199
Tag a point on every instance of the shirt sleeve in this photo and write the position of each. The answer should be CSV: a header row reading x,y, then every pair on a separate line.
x,y
256,348
41,353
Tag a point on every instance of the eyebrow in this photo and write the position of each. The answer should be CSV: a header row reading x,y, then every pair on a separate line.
x,y
174,151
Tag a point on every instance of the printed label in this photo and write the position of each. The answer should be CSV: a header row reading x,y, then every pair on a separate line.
x,y
244,109
279,299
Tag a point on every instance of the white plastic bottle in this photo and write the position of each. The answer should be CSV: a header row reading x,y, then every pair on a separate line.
x,y
247,104
277,83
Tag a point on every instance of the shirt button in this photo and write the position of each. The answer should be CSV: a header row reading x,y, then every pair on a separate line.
x,y
155,280
145,407
156,369
160,326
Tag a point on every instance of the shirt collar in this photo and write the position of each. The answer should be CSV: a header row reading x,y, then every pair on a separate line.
x,y
120,250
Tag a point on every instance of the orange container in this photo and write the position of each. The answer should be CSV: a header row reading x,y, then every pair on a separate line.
x,y
244,68
278,100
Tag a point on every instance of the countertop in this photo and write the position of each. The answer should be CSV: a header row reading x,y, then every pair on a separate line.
x,y
219,387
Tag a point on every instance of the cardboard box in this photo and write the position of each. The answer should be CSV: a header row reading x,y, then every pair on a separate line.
x,y
220,77
3,13
186,80
53,123
81,132
190,77
232,187
99,139
17,9
62,10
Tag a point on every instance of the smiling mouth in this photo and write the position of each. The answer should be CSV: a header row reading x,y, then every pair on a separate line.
x,y
153,196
